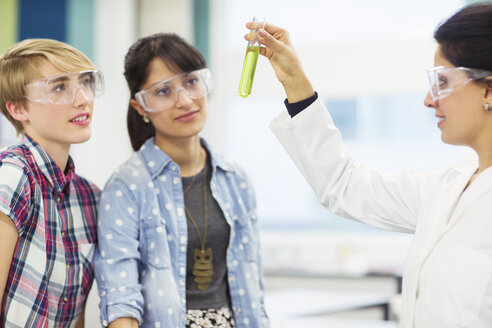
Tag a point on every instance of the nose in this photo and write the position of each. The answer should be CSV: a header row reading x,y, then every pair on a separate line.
x,y
182,98
81,97
428,101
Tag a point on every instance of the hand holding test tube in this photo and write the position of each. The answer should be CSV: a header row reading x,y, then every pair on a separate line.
x,y
251,58
278,49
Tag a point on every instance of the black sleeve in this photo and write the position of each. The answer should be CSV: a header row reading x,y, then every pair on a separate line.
x,y
297,107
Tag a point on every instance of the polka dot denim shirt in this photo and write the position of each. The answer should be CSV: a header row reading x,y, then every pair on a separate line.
x,y
140,265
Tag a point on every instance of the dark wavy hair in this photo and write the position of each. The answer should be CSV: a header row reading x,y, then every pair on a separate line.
x,y
466,37
179,55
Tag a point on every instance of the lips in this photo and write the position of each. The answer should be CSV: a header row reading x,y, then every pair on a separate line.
x,y
441,119
81,119
187,116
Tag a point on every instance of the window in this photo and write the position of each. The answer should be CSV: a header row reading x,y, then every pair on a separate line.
x,y
368,66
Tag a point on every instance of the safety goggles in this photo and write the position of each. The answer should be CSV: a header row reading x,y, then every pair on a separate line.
x,y
164,95
62,89
444,80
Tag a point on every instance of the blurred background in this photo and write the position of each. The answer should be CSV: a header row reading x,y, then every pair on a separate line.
x,y
366,59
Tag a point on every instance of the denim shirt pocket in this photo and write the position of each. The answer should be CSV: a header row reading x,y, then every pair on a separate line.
x,y
246,235
155,249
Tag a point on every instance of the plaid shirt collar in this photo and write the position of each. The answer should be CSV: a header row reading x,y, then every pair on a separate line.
x,y
53,174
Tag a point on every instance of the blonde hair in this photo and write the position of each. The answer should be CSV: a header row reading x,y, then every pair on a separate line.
x,y
19,66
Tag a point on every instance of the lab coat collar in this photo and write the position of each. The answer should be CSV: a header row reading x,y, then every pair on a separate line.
x,y
457,202
479,187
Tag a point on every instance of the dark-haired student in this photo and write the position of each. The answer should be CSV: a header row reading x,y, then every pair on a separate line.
x,y
178,233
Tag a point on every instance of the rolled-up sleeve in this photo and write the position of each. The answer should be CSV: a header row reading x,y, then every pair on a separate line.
x,y
118,255
15,193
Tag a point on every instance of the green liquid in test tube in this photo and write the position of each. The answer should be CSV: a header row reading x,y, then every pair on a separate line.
x,y
250,60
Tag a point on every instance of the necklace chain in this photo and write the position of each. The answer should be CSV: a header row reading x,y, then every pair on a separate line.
x,y
194,177
203,268
190,217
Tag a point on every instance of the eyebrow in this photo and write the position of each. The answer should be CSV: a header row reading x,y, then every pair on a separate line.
x,y
182,75
85,74
58,79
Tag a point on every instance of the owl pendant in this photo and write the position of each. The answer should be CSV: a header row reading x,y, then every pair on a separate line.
x,y
203,267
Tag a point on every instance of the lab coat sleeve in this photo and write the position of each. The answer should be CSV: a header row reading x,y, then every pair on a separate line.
x,y
345,187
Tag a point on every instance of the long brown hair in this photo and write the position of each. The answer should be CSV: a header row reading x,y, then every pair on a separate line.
x,y
179,55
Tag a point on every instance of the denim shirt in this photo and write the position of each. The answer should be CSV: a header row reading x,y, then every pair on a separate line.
x,y
142,241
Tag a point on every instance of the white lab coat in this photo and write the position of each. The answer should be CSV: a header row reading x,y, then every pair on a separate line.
x,y
448,269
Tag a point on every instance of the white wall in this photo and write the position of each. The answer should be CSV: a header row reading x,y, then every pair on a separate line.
x,y
166,16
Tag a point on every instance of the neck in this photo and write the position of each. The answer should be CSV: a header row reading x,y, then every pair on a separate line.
x,y
58,152
188,153
484,162
484,152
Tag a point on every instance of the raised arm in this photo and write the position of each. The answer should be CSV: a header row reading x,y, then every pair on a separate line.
x,y
344,186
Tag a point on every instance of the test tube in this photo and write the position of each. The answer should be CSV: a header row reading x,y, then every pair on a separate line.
x,y
251,58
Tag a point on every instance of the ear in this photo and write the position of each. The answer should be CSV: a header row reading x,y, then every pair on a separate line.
x,y
17,111
488,83
136,106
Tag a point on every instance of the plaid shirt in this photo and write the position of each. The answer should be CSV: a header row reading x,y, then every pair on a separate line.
x,y
55,215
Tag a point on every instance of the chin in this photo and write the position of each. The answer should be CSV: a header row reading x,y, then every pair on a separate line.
x,y
81,138
450,141
446,140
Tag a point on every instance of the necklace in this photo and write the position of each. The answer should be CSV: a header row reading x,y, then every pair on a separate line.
x,y
202,258
194,177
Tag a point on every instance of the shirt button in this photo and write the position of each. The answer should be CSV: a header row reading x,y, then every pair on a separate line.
x,y
58,199
63,233
65,299
68,266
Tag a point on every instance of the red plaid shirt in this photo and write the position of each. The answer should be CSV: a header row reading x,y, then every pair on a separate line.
x,y
55,214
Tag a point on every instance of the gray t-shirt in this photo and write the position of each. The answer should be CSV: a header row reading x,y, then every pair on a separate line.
x,y
216,295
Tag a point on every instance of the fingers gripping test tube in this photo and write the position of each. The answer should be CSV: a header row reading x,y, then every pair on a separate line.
x,y
251,58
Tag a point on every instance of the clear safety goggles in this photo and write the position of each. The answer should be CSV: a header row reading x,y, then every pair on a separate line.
x,y
444,80
164,95
62,89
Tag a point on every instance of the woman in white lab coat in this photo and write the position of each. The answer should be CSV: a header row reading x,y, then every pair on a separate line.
x,y
447,278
